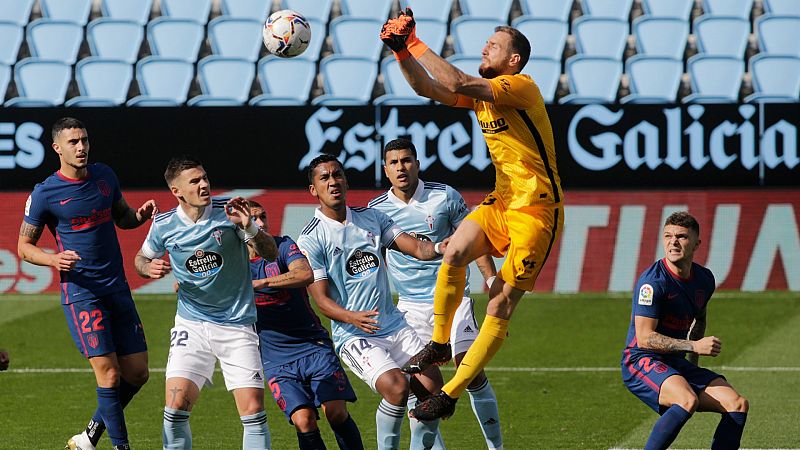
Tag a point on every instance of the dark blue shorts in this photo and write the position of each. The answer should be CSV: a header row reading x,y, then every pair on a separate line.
x,y
309,382
644,376
108,324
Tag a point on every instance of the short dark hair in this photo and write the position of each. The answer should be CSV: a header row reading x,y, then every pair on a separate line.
x,y
323,158
683,219
519,44
178,164
65,123
399,144
254,204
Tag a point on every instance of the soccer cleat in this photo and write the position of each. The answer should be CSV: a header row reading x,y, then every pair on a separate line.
x,y
433,353
79,442
439,406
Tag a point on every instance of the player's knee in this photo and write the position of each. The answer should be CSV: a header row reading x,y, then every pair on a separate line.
x,y
336,415
737,404
455,256
689,402
138,377
304,420
108,376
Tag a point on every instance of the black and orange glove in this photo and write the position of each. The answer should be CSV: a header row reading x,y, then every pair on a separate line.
x,y
399,34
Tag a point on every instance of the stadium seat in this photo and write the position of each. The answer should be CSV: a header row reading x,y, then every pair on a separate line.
x,y
467,64
429,9
146,101
398,91
730,8
782,7
137,11
367,9
592,79
285,81
600,37
16,11
175,38
653,79
226,78
347,80
115,39
197,10
164,78
722,36
247,9
494,10
650,33
547,36
87,102
546,74
365,31
5,78
610,9
547,9
677,9
432,32
470,35
779,35
210,100
72,10
102,79
10,41
235,38
775,78
40,83
56,40
319,10
715,79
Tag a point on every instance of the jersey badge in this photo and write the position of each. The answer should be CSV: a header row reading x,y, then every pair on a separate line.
x,y
646,295
429,220
92,340
28,206
336,252
362,264
204,264
217,236
104,188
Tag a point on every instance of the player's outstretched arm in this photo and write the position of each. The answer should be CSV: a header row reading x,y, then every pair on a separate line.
x,y
238,212
28,250
151,268
127,218
697,332
299,275
453,79
363,320
422,250
647,337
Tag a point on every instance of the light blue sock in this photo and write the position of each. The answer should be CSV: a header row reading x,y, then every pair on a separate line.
x,y
256,433
389,419
484,405
424,435
176,435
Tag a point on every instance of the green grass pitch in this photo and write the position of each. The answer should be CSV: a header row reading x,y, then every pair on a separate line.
x,y
557,379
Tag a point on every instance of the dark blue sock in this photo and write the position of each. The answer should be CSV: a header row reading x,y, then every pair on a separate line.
x,y
667,428
729,431
96,426
111,410
347,435
310,441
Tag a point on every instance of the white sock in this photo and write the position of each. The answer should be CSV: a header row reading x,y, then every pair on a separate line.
x,y
484,405
424,435
176,434
256,433
389,419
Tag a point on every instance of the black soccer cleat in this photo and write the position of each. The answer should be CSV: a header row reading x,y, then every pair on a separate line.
x,y
439,406
433,353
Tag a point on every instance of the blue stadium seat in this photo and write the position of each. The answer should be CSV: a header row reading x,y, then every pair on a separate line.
x,y
197,10
319,10
398,91
247,9
779,35
432,32
678,9
10,41
56,40
284,81
115,39
225,78
357,37
235,38
775,78
72,10
600,37
715,79
547,36
722,36
470,35
210,100
146,101
40,83
17,11
347,80
653,79
367,9
429,9
102,79
175,38
661,36
495,10
547,9
137,11
611,9
5,78
466,63
782,7
164,78
731,8
546,73
592,79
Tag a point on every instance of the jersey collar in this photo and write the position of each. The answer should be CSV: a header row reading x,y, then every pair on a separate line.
x,y
188,221
348,218
414,198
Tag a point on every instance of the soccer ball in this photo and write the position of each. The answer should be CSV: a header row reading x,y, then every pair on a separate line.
x,y
286,33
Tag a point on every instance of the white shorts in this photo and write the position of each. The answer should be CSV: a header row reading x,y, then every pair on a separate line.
x,y
195,347
463,333
369,357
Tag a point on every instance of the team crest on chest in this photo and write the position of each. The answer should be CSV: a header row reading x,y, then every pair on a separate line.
x,y
104,188
429,220
217,236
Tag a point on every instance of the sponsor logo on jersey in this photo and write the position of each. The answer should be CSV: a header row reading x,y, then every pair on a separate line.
x,y
362,264
257,377
204,264
646,295
92,220
494,126
65,201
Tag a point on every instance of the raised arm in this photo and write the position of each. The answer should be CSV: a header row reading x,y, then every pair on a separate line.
x,y
647,337
151,268
238,212
299,275
422,250
363,320
27,250
697,332
127,218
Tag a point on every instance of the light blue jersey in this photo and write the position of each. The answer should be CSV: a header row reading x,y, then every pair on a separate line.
x,y
349,256
432,214
210,260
